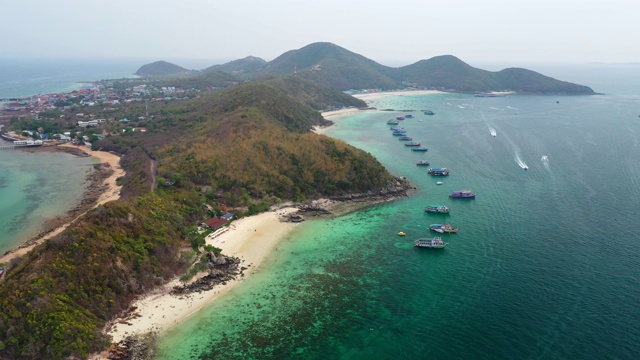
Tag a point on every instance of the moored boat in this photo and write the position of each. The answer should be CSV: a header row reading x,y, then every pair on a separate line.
x,y
429,112
408,116
422,163
462,194
412,143
394,128
443,228
402,233
399,133
439,171
430,243
439,183
400,118
420,148
440,209
393,122
405,138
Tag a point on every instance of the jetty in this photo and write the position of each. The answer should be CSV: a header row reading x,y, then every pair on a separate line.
x,y
16,143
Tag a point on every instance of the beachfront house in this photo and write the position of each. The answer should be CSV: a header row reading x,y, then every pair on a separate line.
x,y
215,223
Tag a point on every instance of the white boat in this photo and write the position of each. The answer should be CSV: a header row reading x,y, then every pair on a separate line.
x,y
439,183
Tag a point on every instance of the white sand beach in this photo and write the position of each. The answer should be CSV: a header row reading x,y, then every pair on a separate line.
x,y
379,95
251,239
336,115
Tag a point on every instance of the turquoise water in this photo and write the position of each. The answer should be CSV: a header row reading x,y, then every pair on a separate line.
x,y
544,265
34,188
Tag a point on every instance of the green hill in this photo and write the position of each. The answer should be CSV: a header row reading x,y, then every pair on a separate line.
x,y
246,147
331,65
247,65
338,68
159,68
527,81
447,72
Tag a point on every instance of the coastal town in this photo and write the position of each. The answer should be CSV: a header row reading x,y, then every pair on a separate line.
x,y
75,116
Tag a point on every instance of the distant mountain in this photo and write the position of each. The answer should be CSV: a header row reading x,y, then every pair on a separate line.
x,y
331,65
447,72
159,68
338,68
250,64
527,81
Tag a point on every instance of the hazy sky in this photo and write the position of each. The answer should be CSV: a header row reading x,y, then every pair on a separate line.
x,y
394,32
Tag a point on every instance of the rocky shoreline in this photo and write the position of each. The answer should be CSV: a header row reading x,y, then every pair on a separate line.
x,y
221,269
344,204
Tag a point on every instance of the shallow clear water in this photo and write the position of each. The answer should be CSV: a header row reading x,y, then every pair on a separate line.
x,y
34,188
544,265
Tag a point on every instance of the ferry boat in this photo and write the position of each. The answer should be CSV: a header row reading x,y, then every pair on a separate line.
x,y
439,171
440,209
462,194
423,163
430,243
420,148
443,228
405,138
429,112
400,118
393,122
412,143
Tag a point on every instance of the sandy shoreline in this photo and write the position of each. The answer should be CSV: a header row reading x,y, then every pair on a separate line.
x,y
366,97
251,239
111,192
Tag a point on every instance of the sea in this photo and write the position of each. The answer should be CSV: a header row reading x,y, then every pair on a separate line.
x,y
544,266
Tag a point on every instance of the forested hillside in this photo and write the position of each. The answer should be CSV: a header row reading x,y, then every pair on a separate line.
x,y
247,148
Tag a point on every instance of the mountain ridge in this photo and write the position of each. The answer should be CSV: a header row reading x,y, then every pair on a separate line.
x,y
336,67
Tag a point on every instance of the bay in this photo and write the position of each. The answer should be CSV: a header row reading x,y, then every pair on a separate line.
x,y
36,187
544,265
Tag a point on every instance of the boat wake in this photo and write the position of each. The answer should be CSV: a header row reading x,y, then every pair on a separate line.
x,y
521,163
512,108
461,107
545,162
516,152
494,108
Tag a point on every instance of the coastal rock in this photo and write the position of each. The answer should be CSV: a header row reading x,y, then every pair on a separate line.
x,y
135,347
222,270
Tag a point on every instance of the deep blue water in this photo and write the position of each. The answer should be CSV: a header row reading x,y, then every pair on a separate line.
x,y
545,264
